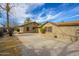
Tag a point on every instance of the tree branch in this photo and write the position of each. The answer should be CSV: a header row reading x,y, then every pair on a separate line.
x,y
2,7
12,7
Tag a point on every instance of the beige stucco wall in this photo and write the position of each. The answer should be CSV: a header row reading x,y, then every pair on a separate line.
x,y
21,29
64,32
55,29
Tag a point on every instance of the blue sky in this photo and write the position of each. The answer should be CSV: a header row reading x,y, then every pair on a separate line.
x,y
55,12
42,12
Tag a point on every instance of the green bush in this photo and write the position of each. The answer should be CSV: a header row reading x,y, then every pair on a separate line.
x,y
18,30
42,30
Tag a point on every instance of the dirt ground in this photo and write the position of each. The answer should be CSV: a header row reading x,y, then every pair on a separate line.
x,y
9,46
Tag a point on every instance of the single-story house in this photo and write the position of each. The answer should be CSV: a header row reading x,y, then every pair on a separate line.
x,y
63,29
31,27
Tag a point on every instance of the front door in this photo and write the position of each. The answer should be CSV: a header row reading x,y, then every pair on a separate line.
x,y
27,29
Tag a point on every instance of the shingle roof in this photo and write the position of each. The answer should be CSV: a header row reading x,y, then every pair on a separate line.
x,y
28,24
72,23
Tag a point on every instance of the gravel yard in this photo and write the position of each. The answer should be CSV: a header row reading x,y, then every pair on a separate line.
x,y
35,44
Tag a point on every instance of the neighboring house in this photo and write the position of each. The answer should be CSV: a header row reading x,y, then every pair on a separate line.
x,y
63,29
31,27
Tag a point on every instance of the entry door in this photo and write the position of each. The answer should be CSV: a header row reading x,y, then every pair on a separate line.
x,y
27,28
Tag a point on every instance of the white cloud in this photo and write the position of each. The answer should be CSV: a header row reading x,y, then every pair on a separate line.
x,y
20,11
71,16
53,16
49,16
67,14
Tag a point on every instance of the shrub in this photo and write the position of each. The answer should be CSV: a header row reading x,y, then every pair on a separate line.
x,y
18,30
42,30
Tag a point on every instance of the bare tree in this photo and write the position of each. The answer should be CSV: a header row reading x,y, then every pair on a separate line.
x,y
7,8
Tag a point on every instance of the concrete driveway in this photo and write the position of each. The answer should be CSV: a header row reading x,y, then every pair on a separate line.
x,y
35,44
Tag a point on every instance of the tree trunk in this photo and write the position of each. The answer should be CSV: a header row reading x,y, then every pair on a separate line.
x,y
8,10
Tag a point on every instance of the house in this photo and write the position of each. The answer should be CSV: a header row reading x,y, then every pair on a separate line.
x,y
31,27
65,30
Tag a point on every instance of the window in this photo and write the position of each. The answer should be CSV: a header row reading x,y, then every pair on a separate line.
x,y
27,28
48,29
